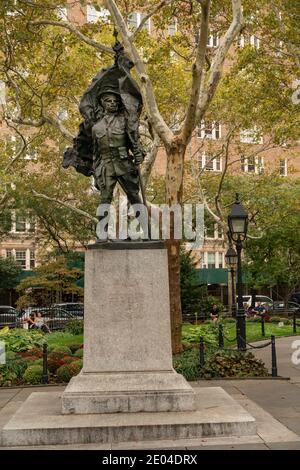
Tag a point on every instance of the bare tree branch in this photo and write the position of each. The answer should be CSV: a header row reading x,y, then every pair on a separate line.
x,y
215,71
198,66
150,160
154,115
20,151
54,121
65,204
146,18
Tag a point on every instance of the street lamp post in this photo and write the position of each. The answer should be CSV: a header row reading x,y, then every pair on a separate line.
x,y
238,225
231,261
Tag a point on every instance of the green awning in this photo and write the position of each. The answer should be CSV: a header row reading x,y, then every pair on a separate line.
x,y
213,276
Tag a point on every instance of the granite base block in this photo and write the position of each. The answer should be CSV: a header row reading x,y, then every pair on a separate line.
x,y
89,393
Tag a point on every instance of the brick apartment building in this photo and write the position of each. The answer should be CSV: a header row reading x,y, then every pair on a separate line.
x,y
22,243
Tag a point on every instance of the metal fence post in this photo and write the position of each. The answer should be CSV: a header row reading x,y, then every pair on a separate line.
x,y
202,358
294,323
221,336
263,325
274,359
45,378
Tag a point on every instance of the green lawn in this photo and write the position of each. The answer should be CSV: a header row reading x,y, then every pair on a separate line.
x,y
192,333
63,339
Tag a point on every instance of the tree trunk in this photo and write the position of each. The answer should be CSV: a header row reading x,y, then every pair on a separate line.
x,y
174,180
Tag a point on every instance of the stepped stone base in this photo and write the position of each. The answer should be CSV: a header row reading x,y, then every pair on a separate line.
x,y
39,421
90,393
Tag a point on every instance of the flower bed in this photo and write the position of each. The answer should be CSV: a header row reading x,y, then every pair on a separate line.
x,y
24,358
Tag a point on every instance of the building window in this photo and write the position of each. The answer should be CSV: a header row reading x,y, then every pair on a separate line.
x,y
172,28
209,228
23,223
254,41
31,224
24,258
93,15
62,114
251,136
20,223
218,231
283,167
252,165
213,40
210,130
220,260
32,259
30,154
2,93
211,260
21,259
135,19
62,13
248,40
209,163
218,163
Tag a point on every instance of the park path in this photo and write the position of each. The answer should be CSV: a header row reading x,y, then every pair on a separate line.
x,y
284,352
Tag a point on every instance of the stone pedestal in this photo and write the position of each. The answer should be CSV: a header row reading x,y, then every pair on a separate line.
x,y
127,364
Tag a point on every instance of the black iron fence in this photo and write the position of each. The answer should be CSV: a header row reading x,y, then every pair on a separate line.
x,y
249,347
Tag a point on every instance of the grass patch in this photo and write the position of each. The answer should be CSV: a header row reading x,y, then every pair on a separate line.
x,y
253,332
63,339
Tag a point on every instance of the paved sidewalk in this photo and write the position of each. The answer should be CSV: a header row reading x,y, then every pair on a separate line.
x,y
284,353
275,404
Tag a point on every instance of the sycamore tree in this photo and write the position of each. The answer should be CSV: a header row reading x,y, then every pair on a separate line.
x,y
39,86
50,60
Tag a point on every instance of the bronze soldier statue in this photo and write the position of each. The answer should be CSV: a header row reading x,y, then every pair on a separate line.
x,y
108,144
114,157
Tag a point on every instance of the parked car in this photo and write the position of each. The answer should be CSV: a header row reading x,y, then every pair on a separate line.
x,y
9,316
295,297
55,318
292,307
264,299
76,309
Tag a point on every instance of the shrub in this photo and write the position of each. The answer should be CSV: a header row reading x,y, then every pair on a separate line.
x,y
75,327
19,339
233,364
79,353
7,378
37,362
34,353
187,364
33,374
67,371
56,355
74,347
12,371
53,364
10,355
55,360
62,349
69,359
209,334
